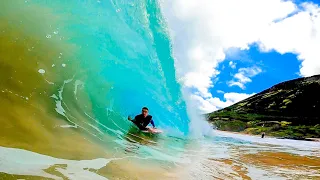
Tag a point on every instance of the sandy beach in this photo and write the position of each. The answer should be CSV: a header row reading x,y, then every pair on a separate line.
x,y
266,136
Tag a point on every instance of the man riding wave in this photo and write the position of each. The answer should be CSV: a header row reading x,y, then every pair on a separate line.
x,y
142,120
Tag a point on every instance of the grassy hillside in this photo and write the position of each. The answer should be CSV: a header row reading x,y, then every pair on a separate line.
x,y
290,109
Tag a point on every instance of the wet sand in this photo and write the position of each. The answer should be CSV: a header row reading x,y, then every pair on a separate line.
x,y
246,163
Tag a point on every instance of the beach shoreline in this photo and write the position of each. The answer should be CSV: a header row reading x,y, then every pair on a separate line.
x,y
266,135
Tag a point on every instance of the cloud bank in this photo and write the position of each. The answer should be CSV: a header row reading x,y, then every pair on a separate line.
x,y
203,30
243,76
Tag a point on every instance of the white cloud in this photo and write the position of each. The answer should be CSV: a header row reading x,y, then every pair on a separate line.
x,y
299,34
243,76
219,91
202,31
235,83
206,105
232,64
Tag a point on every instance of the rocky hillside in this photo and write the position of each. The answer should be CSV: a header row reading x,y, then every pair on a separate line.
x,y
288,109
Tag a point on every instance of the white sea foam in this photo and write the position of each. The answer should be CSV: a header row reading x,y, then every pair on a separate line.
x,y
95,128
68,126
22,162
117,132
301,145
76,84
41,71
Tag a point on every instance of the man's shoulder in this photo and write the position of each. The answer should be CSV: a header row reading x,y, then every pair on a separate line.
x,y
141,116
138,116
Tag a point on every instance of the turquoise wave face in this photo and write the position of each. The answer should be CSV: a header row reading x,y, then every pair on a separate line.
x,y
129,49
95,63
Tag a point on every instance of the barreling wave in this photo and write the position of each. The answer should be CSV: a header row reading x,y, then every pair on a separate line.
x,y
91,64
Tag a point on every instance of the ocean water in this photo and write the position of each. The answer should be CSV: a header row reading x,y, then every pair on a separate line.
x,y
73,71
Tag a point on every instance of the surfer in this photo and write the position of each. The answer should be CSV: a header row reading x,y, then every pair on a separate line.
x,y
262,135
143,119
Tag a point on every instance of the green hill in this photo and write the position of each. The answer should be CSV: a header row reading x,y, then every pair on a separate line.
x,y
290,109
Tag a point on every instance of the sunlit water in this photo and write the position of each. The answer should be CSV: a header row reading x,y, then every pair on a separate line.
x,y
71,73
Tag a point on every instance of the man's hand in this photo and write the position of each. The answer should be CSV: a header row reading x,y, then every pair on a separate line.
x,y
129,118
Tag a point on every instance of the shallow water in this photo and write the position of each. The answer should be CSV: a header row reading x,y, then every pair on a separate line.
x,y
218,157
71,73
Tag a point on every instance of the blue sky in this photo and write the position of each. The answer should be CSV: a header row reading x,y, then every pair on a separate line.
x,y
226,51
275,67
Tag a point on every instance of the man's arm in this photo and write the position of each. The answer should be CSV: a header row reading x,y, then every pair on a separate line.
x,y
152,123
132,120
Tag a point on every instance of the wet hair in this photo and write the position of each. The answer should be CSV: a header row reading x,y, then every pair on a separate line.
x,y
145,108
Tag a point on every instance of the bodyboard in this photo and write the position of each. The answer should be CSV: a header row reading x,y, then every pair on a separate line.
x,y
153,131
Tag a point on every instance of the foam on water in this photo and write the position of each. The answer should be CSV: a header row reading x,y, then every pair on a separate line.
x,y
68,126
298,145
41,71
76,85
22,162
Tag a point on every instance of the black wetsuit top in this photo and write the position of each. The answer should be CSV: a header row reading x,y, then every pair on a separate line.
x,y
141,122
